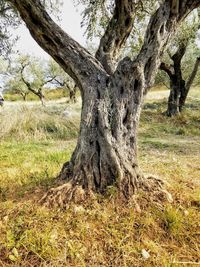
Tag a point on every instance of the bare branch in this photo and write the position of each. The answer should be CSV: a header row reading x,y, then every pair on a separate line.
x,y
167,68
59,82
48,81
117,32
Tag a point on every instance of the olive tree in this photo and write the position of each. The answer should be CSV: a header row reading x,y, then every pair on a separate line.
x,y
15,85
62,79
112,93
178,68
28,75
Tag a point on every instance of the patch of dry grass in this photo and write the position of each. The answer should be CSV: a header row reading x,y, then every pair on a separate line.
x,y
106,232
38,123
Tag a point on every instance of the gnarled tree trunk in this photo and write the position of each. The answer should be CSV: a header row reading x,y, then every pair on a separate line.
x,y
106,151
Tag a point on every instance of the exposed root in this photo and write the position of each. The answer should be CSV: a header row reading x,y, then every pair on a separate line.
x,y
62,195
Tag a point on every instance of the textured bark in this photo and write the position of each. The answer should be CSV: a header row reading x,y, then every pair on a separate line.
x,y
117,33
179,88
106,151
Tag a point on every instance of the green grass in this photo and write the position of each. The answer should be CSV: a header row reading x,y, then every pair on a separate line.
x,y
25,166
106,232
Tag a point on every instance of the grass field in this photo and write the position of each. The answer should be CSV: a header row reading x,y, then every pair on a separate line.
x,y
36,141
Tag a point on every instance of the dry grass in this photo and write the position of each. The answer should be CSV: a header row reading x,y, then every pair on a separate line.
x,y
106,232
28,123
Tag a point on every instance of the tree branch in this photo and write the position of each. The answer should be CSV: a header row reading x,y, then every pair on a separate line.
x,y
167,68
28,84
48,81
161,26
175,7
63,84
23,66
186,6
70,55
177,57
29,87
117,32
193,74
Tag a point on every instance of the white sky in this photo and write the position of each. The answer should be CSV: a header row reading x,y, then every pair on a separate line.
x,y
70,22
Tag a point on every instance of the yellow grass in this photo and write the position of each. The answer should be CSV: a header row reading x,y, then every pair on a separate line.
x,y
105,232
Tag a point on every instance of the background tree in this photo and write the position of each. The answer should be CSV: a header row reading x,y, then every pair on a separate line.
x,y
112,92
27,75
62,79
182,78
15,85
30,75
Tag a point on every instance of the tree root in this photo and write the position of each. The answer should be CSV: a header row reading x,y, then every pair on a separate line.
x,y
62,195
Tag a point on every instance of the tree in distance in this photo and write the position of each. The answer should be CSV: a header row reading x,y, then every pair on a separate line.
x,y
62,79
28,75
181,71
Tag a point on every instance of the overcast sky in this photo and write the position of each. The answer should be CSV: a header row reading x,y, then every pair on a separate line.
x,y
70,22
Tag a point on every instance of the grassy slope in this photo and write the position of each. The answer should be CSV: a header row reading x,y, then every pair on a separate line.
x,y
107,233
